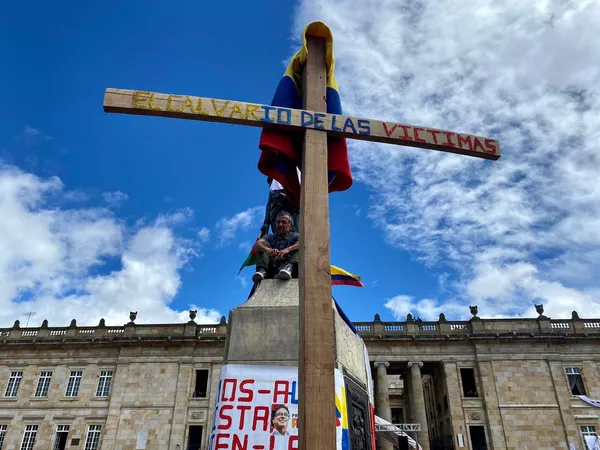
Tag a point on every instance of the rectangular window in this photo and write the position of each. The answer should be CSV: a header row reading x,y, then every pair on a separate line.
x,y
74,383
29,437
2,434
43,384
92,441
104,383
468,382
589,436
60,440
201,383
397,414
13,384
575,380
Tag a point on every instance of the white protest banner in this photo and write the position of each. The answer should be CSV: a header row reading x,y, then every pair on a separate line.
x,y
257,409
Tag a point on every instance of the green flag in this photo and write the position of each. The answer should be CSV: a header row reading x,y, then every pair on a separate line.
x,y
250,260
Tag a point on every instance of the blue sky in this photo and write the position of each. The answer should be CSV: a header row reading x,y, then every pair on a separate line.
x,y
110,213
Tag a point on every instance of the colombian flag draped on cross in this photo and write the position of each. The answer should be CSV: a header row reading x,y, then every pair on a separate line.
x,y
282,150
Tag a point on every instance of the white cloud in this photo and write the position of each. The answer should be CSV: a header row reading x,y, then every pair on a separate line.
x,y
514,232
494,283
174,219
245,246
115,199
31,135
227,227
203,234
425,309
243,281
400,305
498,287
54,260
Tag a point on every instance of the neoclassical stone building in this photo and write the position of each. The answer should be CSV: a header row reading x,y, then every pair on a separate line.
x,y
478,384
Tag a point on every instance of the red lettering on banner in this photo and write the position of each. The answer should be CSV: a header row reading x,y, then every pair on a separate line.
x,y
478,143
272,443
416,132
434,133
225,382
389,132
491,145
406,137
449,137
225,417
248,392
281,388
223,445
237,444
243,409
261,413
462,140
293,440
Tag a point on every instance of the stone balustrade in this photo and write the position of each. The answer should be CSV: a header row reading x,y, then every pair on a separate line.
x,y
541,325
130,331
475,326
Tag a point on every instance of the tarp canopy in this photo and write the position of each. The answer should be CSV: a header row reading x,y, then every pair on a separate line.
x,y
391,433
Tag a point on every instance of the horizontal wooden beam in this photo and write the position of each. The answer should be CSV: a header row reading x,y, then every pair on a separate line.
x,y
252,114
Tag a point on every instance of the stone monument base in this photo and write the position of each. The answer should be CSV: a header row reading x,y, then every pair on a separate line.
x,y
263,334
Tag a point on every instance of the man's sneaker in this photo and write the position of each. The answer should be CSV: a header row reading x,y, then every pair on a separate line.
x,y
285,272
259,275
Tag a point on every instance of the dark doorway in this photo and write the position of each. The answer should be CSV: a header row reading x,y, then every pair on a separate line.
x,y
478,438
195,437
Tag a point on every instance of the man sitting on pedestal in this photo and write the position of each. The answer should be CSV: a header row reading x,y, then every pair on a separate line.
x,y
277,253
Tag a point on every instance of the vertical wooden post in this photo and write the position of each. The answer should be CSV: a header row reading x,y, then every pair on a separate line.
x,y
317,353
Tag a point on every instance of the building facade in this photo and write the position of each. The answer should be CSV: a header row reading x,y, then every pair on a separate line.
x,y
479,384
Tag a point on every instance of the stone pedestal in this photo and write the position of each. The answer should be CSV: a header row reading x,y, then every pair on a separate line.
x,y
265,331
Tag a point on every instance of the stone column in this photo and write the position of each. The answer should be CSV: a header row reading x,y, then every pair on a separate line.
x,y
382,398
382,401
420,414
409,403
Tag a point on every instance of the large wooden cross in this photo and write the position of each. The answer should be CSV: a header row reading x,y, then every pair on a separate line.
x,y
317,358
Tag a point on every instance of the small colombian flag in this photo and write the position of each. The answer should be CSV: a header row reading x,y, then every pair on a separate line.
x,y
341,277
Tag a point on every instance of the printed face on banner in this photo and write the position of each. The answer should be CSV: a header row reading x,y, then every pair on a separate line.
x,y
257,409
